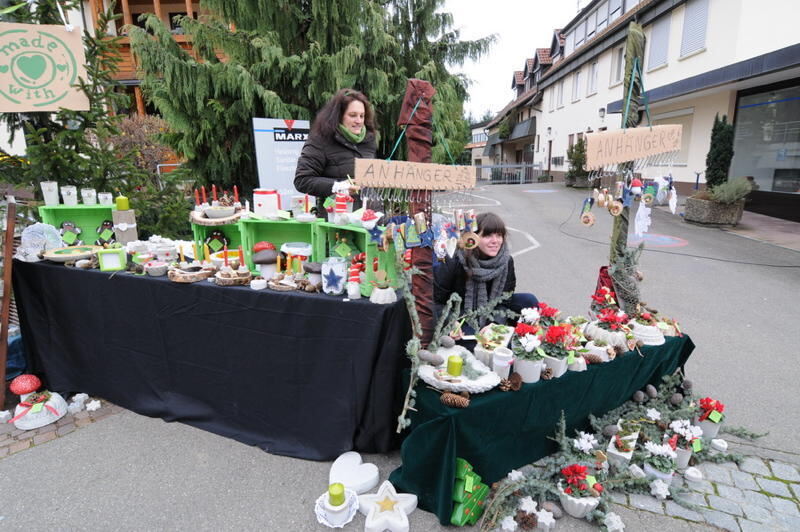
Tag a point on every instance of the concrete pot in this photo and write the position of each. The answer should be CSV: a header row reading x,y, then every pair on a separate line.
x,y
708,212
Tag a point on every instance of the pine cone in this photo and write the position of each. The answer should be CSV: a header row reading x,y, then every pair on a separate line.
x,y
454,401
526,521
662,425
547,374
516,381
505,385
591,358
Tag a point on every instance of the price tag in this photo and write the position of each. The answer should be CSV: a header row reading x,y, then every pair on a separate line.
x,y
715,416
69,237
285,215
37,408
216,245
570,357
697,445
469,483
107,234
590,480
541,351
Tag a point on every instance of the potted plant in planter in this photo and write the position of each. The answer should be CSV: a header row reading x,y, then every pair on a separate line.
x,y
644,327
577,176
620,448
603,298
527,358
659,461
579,492
711,417
490,338
685,439
548,315
559,345
610,327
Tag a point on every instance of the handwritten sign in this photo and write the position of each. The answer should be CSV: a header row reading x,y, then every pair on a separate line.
x,y
615,147
39,64
421,176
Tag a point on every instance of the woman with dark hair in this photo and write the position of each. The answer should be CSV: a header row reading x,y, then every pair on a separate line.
x,y
343,130
483,273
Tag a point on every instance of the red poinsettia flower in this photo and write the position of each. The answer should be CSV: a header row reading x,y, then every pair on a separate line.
x,y
599,487
523,328
709,405
568,491
547,311
574,474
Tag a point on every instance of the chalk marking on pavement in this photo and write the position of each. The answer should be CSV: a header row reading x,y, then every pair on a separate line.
x,y
534,243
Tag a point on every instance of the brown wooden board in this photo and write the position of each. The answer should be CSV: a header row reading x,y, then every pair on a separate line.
x,y
8,257
379,173
615,147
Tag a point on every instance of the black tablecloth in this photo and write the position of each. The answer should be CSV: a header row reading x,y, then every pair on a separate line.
x,y
304,375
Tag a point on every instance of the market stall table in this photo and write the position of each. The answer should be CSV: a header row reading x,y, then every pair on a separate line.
x,y
500,431
303,375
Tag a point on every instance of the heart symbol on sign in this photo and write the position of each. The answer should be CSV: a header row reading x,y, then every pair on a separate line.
x,y
3,69
61,68
32,66
353,473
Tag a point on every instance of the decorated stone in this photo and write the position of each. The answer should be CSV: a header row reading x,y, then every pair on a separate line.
x,y
36,409
387,509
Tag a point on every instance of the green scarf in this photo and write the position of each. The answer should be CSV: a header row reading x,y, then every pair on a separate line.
x,y
352,137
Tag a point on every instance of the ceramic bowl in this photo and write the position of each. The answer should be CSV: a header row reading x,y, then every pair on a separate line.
x,y
156,268
220,212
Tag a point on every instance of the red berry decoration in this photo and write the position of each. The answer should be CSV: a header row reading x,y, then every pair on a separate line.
x,y
25,384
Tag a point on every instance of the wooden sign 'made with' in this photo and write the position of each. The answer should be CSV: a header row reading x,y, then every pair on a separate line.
x,y
615,147
378,173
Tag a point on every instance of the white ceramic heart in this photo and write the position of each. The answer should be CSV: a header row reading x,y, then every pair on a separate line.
x,y
350,470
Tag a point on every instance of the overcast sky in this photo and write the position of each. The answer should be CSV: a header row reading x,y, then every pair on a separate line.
x,y
521,27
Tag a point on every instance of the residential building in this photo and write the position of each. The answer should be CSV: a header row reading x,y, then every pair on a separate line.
x,y
476,145
702,58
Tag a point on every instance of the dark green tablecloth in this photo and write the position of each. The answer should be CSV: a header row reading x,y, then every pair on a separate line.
x,y
500,431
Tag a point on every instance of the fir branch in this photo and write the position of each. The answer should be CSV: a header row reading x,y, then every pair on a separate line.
x,y
742,432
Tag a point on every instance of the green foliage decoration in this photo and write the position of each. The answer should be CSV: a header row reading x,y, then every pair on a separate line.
x,y
731,191
720,152
576,154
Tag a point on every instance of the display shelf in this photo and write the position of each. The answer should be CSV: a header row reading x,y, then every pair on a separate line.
x,y
231,231
278,232
86,217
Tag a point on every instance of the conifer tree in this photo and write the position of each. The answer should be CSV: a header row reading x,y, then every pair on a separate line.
x,y
285,59
720,152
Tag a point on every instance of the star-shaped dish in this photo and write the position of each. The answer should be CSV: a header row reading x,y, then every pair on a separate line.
x,y
387,509
333,279
375,234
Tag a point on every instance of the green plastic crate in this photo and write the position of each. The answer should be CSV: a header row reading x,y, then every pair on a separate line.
x,y
86,217
201,232
358,238
278,232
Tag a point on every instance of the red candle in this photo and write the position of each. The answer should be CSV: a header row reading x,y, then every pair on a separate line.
x,y
241,256
203,188
214,194
225,254
196,197
235,194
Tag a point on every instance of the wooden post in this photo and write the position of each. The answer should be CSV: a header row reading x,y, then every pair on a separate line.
x,y
140,108
94,9
8,258
157,8
189,9
127,18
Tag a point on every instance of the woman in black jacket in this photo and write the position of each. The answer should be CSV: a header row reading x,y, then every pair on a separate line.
x,y
482,274
343,130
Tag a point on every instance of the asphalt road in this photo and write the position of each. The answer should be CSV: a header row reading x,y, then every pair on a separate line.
x,y
128,472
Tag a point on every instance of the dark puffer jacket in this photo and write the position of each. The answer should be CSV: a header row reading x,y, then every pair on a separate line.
x,y
325,160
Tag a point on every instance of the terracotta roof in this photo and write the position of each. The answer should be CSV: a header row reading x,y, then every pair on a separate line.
x,y
518,79
543,54
529,63
523,98
472,145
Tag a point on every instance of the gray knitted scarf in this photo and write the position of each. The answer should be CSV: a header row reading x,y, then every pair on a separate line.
x,y
479,273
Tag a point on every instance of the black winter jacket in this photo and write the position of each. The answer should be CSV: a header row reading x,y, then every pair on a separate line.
x,y
325,160
450,277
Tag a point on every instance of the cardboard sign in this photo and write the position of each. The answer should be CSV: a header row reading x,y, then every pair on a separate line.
x,y
39,64
615,147
420,176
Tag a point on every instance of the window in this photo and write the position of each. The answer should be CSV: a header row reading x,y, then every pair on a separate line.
x,y
617,65
576,86
571,140
684,117
591,23
602,17
591,82
560,93
580,34
537,142
614,10
659,43
569,43
694,26
580,137
557,161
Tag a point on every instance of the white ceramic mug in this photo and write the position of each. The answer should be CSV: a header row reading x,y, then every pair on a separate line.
x,y
69,195
50,192
89,196
501,361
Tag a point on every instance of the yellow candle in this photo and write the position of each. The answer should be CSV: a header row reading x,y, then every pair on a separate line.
x,y
454,364
288,263
180,250
278,264
207,252
336,494
194,251
299,266
122,203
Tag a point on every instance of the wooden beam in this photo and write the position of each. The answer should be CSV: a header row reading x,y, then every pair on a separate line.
x,y
126,13
94,9
157,8
140,108
189,9
8,258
